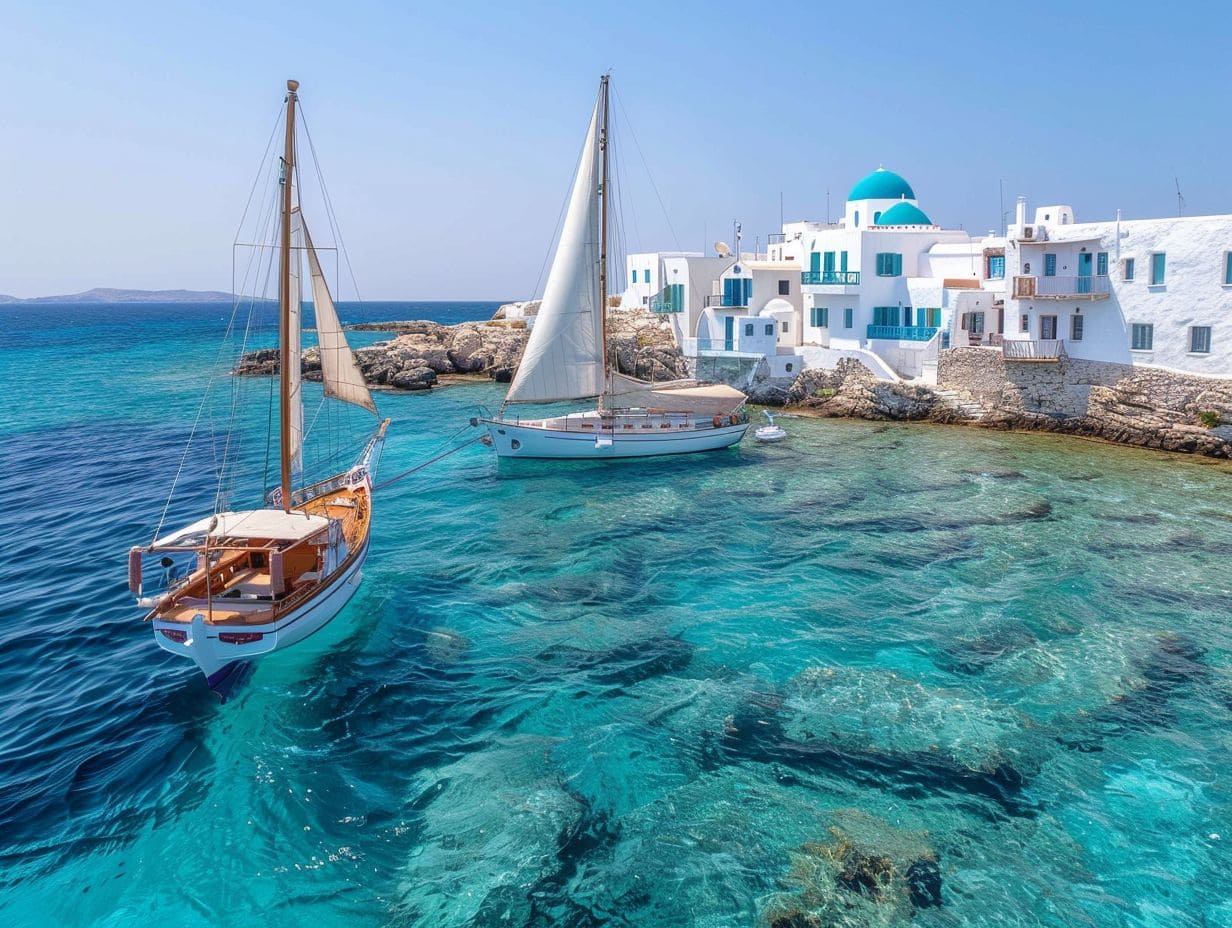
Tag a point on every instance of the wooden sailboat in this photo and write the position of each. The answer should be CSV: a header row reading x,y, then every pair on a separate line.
x,y
567,357
260,580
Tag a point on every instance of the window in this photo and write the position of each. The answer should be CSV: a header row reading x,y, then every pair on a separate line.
x,y
647,275
784,288
885,315
1050,265
1025,325
1142,336
787,367
996,267
1048,327
737,291
821,317
748,328
1158,266
1227,268
827,262
1075,328
842,261
889,264
857,219
786,326
1127,269
847,321
1200,339
1101,264
635,277
769,328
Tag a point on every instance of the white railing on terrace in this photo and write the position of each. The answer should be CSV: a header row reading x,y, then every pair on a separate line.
x,y
1025,349
1072,286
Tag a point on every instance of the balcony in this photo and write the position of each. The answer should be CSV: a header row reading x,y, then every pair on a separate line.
x,y
830,278
1025,349
903,333
665,306
1063,288
721,301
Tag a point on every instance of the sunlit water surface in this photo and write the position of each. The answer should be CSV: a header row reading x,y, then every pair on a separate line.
x,y
709,690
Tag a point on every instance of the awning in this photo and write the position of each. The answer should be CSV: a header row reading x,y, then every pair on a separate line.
x,y
273,524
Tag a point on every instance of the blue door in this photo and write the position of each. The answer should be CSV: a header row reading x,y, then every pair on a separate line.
x,y
729,332
1084,272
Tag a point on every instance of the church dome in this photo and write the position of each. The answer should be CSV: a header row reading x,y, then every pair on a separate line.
x,y
903,214
882,185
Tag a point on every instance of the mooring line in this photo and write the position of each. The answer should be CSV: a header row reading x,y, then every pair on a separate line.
x,y
406,473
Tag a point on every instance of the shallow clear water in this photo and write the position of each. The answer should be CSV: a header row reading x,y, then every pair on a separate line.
x,y
621,693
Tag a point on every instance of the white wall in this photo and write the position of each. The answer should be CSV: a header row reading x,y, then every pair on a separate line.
x,y
1193,292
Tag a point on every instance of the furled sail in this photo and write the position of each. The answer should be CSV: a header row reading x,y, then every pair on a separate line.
x,y
295,396
564,354
339,372
675,396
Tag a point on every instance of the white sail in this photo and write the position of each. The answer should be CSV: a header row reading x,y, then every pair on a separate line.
x,y
295,395
564,354
339,372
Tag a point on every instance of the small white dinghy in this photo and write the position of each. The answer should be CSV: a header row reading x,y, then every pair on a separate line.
x,y
771,432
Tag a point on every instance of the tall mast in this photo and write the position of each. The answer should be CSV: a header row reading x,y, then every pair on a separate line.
x,y
284,300
603,138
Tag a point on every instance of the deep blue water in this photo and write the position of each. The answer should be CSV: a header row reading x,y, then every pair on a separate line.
x,y
670,692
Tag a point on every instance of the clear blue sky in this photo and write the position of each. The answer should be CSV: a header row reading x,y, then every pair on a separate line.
x,y
448,132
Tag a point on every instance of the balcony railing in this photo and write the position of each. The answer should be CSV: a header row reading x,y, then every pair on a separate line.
x,y
1025,349
719,300
903,333
841,278
1062,288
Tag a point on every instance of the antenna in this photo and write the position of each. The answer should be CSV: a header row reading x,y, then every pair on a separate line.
x,y
780,210
1001,188
827,206
1180,200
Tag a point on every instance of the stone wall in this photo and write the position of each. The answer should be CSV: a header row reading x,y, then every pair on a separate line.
x,y
1134,405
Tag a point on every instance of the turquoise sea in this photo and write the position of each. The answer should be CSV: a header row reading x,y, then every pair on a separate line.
x,y
876,675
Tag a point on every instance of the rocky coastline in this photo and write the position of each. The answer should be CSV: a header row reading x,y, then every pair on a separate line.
x,y
1146,408
424,354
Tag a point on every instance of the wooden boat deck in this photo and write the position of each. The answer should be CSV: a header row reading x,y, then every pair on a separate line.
x,y
241,589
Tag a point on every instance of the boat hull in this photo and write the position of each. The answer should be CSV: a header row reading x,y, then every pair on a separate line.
x,y
517,440
217,658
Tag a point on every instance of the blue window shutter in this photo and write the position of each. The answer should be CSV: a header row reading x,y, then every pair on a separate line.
x,y
847,313
815,262
1227,268
1158,267
842,261
635,276
1050,265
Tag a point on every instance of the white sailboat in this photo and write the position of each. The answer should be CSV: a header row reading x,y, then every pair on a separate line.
x,y
260,580
567,359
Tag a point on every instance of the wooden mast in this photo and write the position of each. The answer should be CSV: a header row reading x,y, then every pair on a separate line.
x,y
284,299
603,138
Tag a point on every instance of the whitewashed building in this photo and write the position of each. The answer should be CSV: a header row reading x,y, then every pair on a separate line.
x,y
886,285
1154,292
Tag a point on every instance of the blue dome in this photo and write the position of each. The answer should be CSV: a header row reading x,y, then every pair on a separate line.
x,y
904,214
882,185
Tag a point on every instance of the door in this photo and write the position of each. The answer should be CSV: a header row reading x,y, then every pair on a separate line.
x,y
729,332
1084,272
827,269
1048,327
815,267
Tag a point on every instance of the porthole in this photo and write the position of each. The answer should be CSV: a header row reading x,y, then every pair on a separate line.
x,y
514,444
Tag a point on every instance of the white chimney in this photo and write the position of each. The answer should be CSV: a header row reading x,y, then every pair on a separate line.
x,y
1020,212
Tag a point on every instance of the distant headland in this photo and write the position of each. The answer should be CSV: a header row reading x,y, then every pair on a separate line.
x,y
109,295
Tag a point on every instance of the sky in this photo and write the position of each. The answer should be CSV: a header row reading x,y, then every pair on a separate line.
x,y
130,133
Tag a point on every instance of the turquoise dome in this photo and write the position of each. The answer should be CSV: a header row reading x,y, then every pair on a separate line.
x,y
882,185
904,214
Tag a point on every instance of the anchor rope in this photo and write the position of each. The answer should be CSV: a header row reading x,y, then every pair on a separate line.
x,y
418,467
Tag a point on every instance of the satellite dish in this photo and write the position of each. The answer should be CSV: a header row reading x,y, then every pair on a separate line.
x,y
722,248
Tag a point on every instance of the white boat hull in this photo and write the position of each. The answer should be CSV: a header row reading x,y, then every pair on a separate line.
x,y
522,440
217,658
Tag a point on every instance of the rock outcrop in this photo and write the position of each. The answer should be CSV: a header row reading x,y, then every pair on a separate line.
x,y
421,351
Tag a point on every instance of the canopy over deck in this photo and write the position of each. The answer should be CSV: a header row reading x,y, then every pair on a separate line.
x,y
273,524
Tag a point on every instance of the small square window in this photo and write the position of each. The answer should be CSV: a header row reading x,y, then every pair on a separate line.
x,y
1200,339
769,328
784,288
1142,336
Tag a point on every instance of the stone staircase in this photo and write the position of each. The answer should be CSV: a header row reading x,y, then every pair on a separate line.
x,y
964,408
